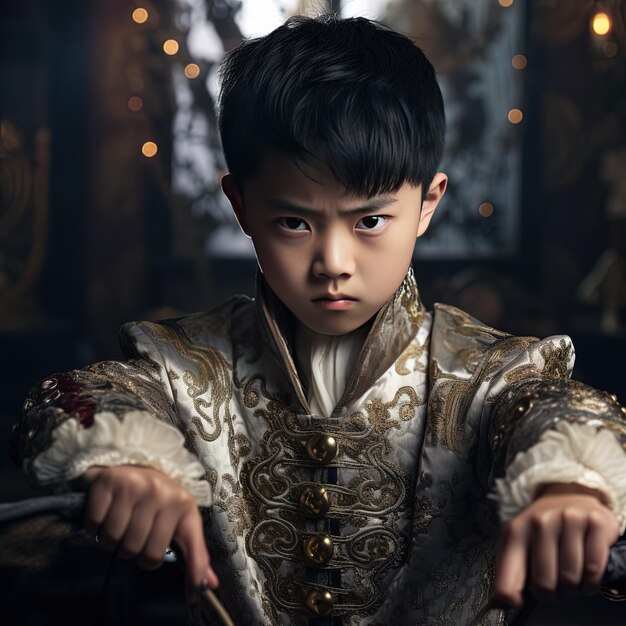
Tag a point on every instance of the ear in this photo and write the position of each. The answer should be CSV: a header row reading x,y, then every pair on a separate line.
x,y
235,198
431,200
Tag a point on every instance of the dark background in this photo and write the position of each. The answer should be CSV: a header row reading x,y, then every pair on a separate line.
x,y
86,221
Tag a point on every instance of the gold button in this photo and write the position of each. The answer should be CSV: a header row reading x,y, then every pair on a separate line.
x,y
322,448
314,501
318,548
319,602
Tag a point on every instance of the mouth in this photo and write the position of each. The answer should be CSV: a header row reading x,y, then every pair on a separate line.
x,y
335,302
335,297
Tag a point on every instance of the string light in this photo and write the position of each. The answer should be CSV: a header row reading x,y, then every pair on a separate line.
x,y
485,209
519,62
601,24
170,47
149,149
135,103
192,71
505,3
140,16
515,116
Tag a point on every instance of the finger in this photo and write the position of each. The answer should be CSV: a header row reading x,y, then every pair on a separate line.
x,y
115,523
544,550
596,555
571,556
511,567
189,536
99,500
138,530
160,537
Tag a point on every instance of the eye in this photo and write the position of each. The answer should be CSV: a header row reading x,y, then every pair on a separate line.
x,y
372,222
292,223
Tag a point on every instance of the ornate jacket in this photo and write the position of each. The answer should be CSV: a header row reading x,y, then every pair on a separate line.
x,y
376,514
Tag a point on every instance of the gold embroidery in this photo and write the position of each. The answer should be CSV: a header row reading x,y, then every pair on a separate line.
x,y
424,512
108,386
251,399
211,476
371,498
412,351
522,412
556,363
190,440
521,373
556,360
446,407
379,414
212,370
231,500
452,396
466,338
409,300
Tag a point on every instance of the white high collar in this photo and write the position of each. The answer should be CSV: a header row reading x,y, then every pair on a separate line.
x,y
325,362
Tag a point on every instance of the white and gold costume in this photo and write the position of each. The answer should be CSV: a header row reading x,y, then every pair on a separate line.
x,y
347,480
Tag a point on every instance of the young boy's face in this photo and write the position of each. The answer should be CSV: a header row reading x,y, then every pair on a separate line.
x,y
334,260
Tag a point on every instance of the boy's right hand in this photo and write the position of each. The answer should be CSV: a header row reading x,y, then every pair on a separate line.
x,y
140,511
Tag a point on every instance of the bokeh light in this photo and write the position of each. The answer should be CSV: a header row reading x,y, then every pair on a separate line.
x,y
149,149
601,24
519,62
135,103
192,71
140,16
170,47
505,3
515,116
485,209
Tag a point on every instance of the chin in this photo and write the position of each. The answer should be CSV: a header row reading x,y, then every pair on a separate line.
x,y
333,330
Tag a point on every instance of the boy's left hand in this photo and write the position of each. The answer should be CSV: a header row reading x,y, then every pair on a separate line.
x,y
556,548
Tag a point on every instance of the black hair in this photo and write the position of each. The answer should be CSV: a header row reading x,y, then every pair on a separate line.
x,y
350,93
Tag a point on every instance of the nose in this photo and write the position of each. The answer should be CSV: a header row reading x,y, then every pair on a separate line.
x,y
333,256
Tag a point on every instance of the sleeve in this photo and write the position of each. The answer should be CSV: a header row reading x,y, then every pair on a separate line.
x,y
571,453
546,428
110,413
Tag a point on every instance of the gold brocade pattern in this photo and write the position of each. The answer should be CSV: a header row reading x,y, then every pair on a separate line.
x,y
371,498
414,352
452,395
446,406
379,413
210,368
525,410
231,500
408,301
424,512
466,338
556,359
108,386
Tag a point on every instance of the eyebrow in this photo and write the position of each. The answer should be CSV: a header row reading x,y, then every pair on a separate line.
x,y
372,205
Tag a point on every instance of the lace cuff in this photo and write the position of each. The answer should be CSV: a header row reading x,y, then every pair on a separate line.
x,y
138,439
569,453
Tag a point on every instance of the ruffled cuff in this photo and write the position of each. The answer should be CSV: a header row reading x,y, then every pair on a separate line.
x,y
571,453
138,439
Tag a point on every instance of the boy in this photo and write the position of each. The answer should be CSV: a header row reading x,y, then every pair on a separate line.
x,y
343,439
